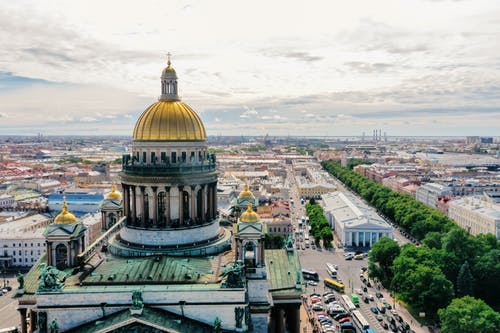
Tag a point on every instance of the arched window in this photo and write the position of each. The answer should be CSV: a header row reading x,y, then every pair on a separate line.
x,y
61,256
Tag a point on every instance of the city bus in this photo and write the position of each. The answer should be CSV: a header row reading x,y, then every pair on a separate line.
x,y
348,303
334,284
310,275
330,268
355,300
360,321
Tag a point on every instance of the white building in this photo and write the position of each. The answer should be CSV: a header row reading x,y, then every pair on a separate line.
x,y
477,215
354,223
22,241
6,201
428,194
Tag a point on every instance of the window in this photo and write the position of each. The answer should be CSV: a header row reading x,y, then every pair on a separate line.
x,y
14,245
20,252
183,157
173,157
38,244
25,259
163,156
14,260
31,244
32,260
144,157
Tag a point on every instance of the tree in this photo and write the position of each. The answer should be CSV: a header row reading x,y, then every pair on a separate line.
x,y
427,289
465,281
469,315
486,271
433,240
384,252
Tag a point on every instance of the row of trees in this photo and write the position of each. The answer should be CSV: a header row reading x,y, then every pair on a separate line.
x,y
449,263
320,228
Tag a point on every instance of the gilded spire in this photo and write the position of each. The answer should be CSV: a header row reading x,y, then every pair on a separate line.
x,y
168,59
64,216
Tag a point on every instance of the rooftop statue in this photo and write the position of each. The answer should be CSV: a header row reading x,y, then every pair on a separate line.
x,y
137,301
234,275
49,279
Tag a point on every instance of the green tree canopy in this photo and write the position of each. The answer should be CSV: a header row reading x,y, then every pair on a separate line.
x,y
469,315
465,281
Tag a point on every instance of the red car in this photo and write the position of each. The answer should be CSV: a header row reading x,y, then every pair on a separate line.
x,y
343,320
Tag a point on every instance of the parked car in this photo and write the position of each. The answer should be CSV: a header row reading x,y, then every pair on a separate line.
x,y
374,310
379,295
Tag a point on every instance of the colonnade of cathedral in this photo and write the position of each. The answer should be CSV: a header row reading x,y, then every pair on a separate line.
x,y
160,207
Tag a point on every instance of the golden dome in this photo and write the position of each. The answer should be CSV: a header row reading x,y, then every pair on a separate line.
x,y
114,194
169,121
169,69
65,217
246,193
249,215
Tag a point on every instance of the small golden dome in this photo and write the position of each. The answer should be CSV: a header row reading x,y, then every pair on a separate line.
x,y
114,194
65,217
169,121
246,193
249,215
169,69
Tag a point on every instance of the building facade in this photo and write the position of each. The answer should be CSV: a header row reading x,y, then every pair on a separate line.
x,y
355,224
163,262
477,215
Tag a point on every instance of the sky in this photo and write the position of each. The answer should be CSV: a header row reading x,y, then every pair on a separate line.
x,y
298,68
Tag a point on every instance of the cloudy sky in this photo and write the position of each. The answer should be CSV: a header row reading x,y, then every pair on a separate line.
x,y
422,67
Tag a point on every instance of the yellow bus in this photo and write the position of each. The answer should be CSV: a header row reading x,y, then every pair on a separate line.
x,y
334,284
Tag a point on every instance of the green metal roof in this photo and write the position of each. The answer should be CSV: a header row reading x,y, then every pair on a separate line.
x,y
153,270
283,267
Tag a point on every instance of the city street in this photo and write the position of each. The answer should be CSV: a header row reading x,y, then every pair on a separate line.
x,y
349,271
9,316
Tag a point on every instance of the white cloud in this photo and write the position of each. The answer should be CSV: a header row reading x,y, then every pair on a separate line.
x,y
357,59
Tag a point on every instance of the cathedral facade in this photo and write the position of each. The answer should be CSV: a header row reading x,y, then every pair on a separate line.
x,y
163,262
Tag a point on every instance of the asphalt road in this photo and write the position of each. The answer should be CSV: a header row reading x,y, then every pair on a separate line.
x,y
349,270
9,316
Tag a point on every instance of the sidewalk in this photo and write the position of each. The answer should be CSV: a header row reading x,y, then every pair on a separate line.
x,y
403,312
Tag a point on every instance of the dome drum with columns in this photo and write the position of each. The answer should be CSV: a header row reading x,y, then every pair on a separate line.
x,y
169,180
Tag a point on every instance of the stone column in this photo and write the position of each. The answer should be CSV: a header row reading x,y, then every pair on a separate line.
x,y
293,318
103,220
33,321
203,200
126,202
214,200
143,219
210,201
134,208
193,203
279,320
181,211
167,205
24,326
155,206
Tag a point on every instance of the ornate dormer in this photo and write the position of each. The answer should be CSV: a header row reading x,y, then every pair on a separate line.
x,y
250,239
111,208
65,239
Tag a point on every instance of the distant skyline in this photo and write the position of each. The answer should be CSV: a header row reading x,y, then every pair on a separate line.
x,y
314,68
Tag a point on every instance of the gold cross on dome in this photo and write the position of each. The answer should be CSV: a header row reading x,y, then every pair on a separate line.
x,y
168,58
